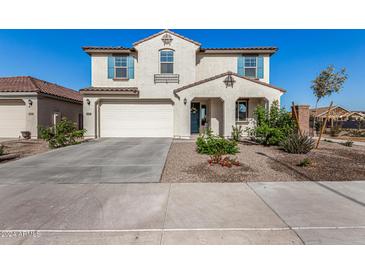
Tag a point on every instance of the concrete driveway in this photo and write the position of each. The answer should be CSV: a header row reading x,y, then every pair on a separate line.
x,y
219,213
116,160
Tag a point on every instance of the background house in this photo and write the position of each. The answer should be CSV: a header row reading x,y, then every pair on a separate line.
x,y
27,103
339,116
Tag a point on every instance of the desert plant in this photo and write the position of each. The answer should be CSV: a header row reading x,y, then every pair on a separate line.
x,y
64,133
226,162
305,162
335,131
237,133
272,125
317,126
2,149
348,143
215,146
297,144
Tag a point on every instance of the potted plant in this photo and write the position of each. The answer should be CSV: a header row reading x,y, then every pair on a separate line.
x,y
25,134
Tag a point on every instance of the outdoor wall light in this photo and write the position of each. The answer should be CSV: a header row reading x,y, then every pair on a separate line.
x,y
30,102
185,101
229,81
88,102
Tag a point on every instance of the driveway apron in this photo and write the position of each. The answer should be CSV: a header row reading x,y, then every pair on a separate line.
x,y
114,160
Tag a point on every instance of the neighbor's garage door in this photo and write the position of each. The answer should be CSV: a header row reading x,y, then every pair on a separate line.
x,y
12,118
127,119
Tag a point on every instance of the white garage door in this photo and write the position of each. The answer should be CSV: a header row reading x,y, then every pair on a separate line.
x,y
12,118
136,120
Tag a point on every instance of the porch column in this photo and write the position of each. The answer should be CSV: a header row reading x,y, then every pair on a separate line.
x,y
229,109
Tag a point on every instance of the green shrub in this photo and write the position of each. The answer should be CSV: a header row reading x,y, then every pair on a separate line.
x,y
215,146
297,144
272,125
335,131
305,162
317,126
237,133
1,150
348,143
63,134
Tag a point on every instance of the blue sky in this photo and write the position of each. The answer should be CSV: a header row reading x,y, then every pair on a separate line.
x,y
56,56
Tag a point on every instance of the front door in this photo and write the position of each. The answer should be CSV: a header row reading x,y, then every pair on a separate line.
x,y
195,117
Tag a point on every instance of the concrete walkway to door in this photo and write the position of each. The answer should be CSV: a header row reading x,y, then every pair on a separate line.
x,y
114,160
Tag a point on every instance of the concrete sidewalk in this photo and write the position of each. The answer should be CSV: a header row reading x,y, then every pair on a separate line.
x,y
217,213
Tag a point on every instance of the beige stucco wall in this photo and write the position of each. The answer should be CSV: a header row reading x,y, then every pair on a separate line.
x,y
217,89
48,106
208,65
31,110
191,67
41,109
99,73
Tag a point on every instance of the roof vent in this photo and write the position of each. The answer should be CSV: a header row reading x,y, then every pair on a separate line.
x,y
166,39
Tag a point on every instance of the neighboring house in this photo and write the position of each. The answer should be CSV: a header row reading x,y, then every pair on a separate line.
x,y
337,114
27,103
167,85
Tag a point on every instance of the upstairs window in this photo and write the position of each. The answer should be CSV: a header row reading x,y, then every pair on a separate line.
x,y
251,67
121,67
166,62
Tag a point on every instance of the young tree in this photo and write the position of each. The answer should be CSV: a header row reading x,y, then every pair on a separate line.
x,y
326,83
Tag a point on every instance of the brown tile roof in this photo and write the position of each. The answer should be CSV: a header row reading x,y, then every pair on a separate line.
x,y
244,50
31,84
110,90
101,49
225,74
166,31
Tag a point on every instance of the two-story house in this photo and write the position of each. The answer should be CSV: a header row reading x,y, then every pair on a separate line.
x,y
167,85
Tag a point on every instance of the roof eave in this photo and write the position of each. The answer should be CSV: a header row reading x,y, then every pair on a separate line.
x,y
91,51
239,51
166,31
225,74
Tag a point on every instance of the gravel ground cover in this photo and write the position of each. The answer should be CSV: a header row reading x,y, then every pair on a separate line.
x,y
24,147
259,163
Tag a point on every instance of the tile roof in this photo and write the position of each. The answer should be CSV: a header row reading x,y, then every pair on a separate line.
x,y
102,49
120,49
225,74
270,50
31,84
110,90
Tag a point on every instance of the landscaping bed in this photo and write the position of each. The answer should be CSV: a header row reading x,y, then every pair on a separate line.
x,y
23,148
262,163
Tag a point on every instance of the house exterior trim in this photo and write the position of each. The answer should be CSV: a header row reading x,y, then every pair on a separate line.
x,y
166,31
225,74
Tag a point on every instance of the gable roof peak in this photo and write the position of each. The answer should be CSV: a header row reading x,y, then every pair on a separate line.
x,y
166,31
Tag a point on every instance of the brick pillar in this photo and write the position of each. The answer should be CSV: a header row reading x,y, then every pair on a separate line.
x,y
303,117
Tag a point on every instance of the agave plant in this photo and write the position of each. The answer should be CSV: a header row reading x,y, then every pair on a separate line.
x,y
297,144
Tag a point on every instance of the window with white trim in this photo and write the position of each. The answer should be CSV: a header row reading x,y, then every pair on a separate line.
x,y
121,67
251,66
241,110
166,61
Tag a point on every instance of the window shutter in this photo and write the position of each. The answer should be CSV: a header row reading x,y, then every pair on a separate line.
x,y
240,66
260,67
110,67
130,67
